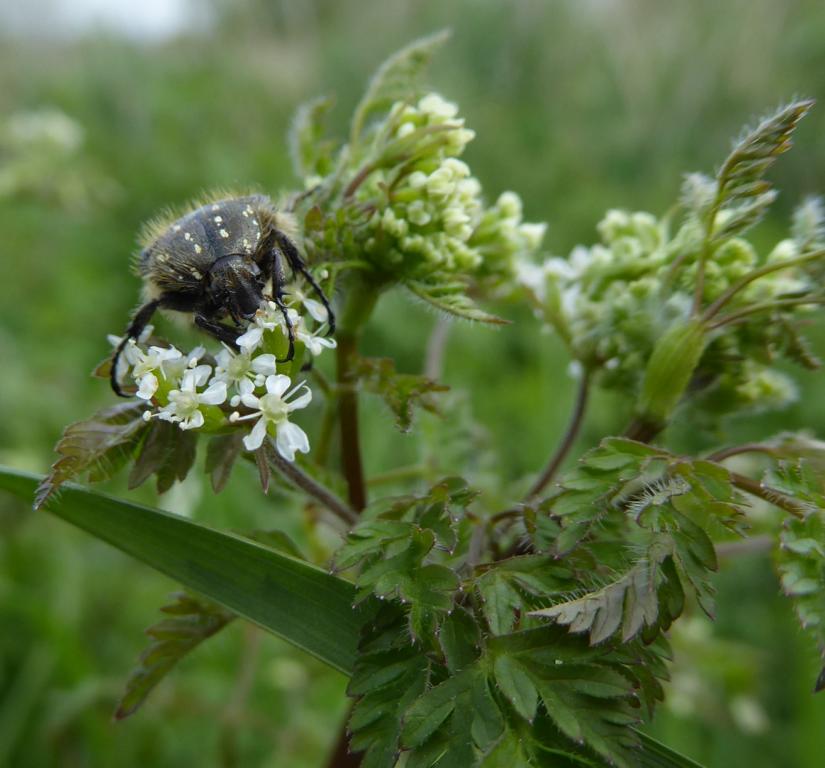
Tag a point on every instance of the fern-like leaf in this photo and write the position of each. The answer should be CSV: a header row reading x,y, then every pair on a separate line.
x,y
189,621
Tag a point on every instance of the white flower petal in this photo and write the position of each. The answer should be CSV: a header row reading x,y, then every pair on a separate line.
x,y
148,386
250,400
214,395
255,438
196,354
291,438
245,387
249,340
202,374
316,309
302,401
223,358
189,381
193,422
277,385
264,364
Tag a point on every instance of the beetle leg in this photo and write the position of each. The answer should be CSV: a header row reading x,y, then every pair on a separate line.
x,y
139,321
221,332
276,271
297,264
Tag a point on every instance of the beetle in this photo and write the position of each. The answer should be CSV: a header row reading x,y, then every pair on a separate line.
x,y
216,262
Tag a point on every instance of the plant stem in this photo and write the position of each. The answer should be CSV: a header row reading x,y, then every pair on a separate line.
x,y
764,306
771,495
746,280
436,346
348,417
642,431
752,546
567,441
736,450
361,298
311,487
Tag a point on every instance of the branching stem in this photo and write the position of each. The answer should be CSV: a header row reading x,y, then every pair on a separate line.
x,y
746,280
312,487
568,439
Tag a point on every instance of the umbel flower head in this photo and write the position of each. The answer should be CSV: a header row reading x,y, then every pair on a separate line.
x,y
241,389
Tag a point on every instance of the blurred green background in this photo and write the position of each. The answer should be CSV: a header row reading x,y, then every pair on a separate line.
x,y
111,111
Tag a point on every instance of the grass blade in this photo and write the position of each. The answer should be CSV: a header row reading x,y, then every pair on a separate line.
x,y
286,596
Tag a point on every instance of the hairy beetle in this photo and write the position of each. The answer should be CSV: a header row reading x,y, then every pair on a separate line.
x,y
216,263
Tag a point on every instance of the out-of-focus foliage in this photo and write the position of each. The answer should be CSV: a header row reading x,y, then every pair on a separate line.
x,y
579,105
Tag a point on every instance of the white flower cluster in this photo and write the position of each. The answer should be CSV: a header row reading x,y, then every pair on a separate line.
x,y
432,214
187,392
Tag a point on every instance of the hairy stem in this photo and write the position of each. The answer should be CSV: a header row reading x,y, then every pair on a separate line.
x,y
567,440
436,346
312,487
771,495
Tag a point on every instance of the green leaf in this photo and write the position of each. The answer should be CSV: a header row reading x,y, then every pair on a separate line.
x,y
400,391
801,556
397,79
291,598
221,454
517,686
167,452
447,294
313,610
741,188
311,153
190,621
98,447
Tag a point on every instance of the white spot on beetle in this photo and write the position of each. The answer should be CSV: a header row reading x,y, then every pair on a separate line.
x,y
187,235
162,257
198,249
216,207
223,233
176,227
197,275
246,244
217,219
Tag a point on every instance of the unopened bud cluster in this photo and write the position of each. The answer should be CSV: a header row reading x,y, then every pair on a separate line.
x,y
613,301
426,208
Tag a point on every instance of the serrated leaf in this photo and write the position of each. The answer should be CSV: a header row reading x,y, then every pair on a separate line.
x,y
191,621
397,79
400,391
800,559
167,452
222,452
311,153
448,295
460,640
500,601
741,189
516,686
98,447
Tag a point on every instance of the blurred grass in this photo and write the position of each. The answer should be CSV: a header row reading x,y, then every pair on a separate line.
x,y
579,106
